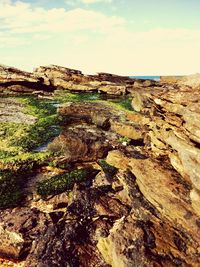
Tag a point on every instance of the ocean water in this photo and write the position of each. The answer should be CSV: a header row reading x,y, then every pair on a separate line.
x,y
155,78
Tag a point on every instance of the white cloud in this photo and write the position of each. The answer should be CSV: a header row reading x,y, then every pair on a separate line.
x,y
23,18
87,2
92,41
95,1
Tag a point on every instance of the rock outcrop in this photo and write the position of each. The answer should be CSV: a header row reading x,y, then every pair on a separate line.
x,y
187,80
50,78
15,81
74,80
138,203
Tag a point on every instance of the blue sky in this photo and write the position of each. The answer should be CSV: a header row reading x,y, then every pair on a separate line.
x,y
130,37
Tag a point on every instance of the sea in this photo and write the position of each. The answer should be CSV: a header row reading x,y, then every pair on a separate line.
x,y
155,78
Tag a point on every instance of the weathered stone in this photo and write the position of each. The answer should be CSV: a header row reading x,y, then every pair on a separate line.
x,y
103,116
18,228
83,143
171,205
14,80
11,110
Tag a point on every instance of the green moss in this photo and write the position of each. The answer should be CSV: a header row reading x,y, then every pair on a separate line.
x,y
124,139
46,127
64,182
119,102
10,191
16,139
57,164
123,103
25,161
76,97
108,169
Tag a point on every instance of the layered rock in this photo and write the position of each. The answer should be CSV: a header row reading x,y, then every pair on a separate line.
x,y
103,116
74,80
9,74
17,81
187,80
179,130
53,77
191,80
142,208
174,130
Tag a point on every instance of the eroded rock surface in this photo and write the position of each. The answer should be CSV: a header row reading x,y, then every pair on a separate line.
x,y
12,110
143,206
15,81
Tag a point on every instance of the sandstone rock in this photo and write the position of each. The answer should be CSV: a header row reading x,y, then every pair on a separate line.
x,y
147,212
75,247
74,80
9,74
170,79
113,89
174,129
191,80
82,143
14,80
18,228
103,116
11,110
114,78
170,206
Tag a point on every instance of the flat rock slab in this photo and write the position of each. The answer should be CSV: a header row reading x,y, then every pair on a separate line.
x,y
11,110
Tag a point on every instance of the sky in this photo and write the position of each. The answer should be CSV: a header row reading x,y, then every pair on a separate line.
x,y
125,37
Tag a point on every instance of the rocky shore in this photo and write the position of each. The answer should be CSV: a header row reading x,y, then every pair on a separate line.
x,y
98,170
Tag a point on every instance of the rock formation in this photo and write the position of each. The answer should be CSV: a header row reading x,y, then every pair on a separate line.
x,y
17,81
51,78
123,186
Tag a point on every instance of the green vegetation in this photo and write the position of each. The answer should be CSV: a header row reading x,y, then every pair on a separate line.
x,y
107,168
26,161
17,143
118,102
10,193
17,139
13,176
123,103
46,126
124,139
57,164
76,97
64,182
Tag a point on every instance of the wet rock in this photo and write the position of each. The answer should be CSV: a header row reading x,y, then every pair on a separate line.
x,y
75,248
18,229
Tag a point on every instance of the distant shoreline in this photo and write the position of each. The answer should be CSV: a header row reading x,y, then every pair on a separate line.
x,y
155,78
